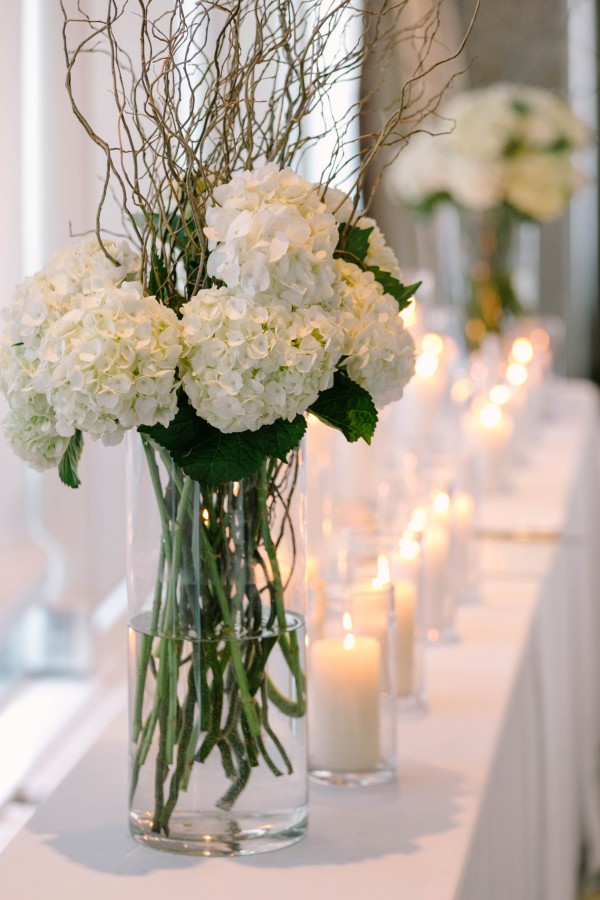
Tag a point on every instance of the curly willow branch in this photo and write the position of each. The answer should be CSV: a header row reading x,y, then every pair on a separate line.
x,y
203,88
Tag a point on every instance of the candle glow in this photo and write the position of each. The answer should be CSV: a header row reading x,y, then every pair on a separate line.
x,y
426,365
522,351
516,374
500,394
432,343
490,415
441,502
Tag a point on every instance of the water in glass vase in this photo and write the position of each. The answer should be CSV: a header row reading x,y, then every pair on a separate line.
x,y
203,782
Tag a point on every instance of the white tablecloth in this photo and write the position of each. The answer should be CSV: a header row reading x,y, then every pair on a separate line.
x,y
497,786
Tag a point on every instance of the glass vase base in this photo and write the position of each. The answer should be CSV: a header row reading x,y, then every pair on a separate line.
x,y
215,834
353,779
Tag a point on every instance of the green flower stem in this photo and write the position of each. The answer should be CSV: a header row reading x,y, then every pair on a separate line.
x,y
290,650
146,649
262,493
236,656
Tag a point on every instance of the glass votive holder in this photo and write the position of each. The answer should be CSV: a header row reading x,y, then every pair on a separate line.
x,y
464,549
406,577
438,599
352,687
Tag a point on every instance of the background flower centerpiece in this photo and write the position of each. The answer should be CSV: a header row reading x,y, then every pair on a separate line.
x,y
505,157
253,296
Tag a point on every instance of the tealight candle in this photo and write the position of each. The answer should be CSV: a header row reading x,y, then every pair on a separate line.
x,y
344,704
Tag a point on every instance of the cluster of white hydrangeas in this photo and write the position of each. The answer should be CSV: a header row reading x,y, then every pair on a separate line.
x,y
246,363
80,347
83,348
30,429
502,144
109,363
270,233
378,351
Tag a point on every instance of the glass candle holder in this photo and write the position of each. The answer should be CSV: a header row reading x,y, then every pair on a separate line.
x,y
406,576
438,604
352,687
464,559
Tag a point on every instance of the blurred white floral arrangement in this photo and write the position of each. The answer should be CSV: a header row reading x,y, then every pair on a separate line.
x,y
504,144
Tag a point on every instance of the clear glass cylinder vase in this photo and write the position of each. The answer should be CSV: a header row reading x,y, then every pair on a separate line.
x,y
491,272
216,587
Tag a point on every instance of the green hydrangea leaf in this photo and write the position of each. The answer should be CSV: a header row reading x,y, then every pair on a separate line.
x,y
348,407
67,467
400,292
211,457
353,244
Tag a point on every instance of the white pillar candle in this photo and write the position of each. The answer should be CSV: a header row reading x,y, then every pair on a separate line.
x,y
463,524
344,704
405,598
490,430
424,395
436,545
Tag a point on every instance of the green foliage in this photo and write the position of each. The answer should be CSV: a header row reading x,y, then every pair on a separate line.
x,y
347,407
211,457
353,244
353,247
431,203
400,292
67,467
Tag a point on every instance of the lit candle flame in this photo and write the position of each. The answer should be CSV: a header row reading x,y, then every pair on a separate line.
x,y
500,394
349,639
418,519
522,351
490,415
409,548
205,516
441,502
426,365
516,374
383,571
432,343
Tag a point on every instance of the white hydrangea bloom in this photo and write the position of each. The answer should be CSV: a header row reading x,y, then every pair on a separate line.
x,y
339,204
481,123
246,363
379,351
84,267
540,185
109,363
41,299
475,184
379,253
419,170
30,430
270,233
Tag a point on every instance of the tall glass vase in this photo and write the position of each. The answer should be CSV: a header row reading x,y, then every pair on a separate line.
x,y
490,270
216,585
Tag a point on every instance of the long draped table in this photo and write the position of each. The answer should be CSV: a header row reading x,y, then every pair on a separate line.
x,y
497,789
